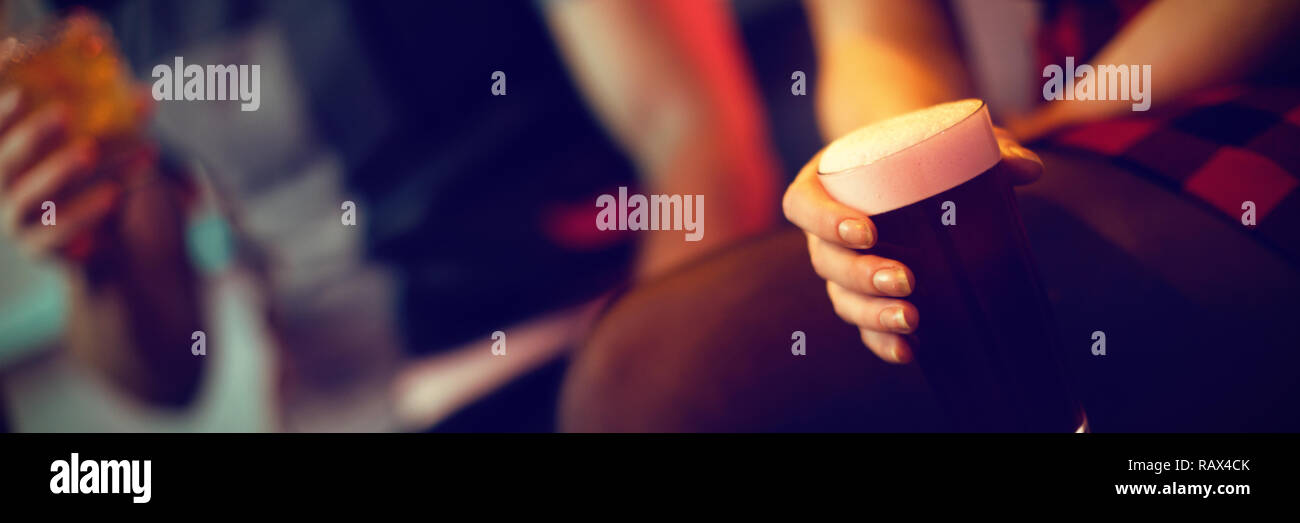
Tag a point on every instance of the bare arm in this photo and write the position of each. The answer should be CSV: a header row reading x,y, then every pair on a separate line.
x,y
133,296
1190,45
878,59
670,84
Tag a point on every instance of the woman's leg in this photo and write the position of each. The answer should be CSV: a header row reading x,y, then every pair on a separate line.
x,y
710,348
1199,319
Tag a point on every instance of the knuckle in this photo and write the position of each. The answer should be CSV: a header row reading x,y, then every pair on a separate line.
x,y
833,293
842,314
821,271
870,340
838,306
789,203
869,318
863,269
817,256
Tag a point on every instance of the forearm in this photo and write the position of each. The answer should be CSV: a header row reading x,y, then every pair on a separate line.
x,y
739,195
669,83
1190,46
880,59
135,304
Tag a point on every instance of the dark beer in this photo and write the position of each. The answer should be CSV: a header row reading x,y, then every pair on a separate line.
x,y
987,341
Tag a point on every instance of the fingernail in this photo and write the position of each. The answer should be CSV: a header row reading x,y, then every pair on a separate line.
x,y
856,233
895,320
899,355
892,281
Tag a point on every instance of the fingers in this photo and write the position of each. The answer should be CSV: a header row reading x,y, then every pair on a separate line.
x,y
808,206
22,145
873,312
54,175
892,348
862,287
10,105
861,273
39,164
880,321
1021,164
76,218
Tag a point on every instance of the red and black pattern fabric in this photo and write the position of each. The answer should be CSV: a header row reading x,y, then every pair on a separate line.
x,y
1235,145
1223,147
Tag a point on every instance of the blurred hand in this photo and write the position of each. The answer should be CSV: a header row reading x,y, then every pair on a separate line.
x,y
868,290
132,317
40,162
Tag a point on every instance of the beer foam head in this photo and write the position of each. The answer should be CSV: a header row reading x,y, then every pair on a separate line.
x,y
892,135
907,158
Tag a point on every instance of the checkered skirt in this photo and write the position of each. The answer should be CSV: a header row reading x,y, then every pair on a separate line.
x,y
1223,148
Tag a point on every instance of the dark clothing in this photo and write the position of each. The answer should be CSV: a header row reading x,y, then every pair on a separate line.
x,y
473,188
476,201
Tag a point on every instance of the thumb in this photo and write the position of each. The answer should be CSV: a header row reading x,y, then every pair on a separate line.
x,y
1021,164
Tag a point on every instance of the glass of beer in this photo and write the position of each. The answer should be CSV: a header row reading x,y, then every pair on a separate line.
x,y
987,342
75,62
